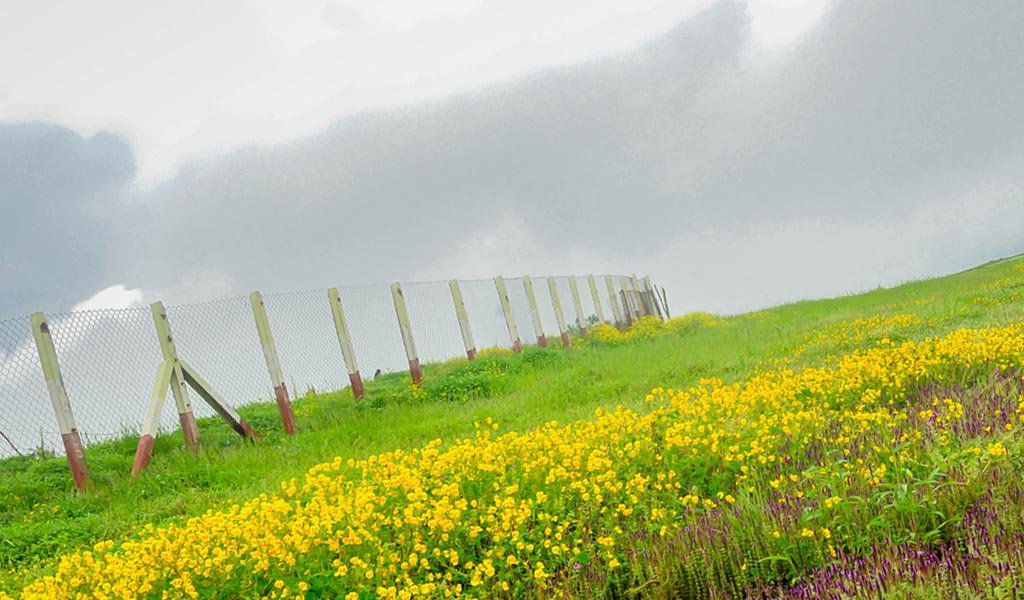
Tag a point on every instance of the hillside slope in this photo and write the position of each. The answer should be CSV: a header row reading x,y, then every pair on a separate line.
x,y
41,518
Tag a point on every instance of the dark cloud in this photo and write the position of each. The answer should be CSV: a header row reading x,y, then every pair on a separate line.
x,y
891,137
61,198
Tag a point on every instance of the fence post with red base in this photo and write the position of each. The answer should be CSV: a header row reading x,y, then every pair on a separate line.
x,y
177,382
506,308
581,318
284,404
61,404
403,323
556,304
345,340
538,327
463,317
596,298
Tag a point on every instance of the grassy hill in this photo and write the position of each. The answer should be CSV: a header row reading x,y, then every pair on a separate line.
x,y
485,401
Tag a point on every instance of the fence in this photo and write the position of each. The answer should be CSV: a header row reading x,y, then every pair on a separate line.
x,y
98,367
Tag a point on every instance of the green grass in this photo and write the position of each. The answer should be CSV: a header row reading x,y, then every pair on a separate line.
x,y
42,517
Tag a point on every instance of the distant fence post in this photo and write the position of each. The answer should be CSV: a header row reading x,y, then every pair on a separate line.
x,y
559,316
460,312
613,299
403,323
641,296
345,340
627,301
538,326
284,405
664,301
652,297
177,380
578,305
596,298
506,308
61,404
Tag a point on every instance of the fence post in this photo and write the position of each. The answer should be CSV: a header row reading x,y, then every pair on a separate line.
x,y
574,290
345,340
642,297
559,316
652,296
613,299
177,378
403,324
664,300
506,307
284,405
538,326
596,298
61,404
627,301
460,312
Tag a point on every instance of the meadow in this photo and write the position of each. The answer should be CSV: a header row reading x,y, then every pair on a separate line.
x,y
861,446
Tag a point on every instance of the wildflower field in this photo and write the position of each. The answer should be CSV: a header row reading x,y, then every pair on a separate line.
x,y
867,446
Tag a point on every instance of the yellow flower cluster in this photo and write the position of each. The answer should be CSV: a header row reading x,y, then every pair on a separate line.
x,y
646,328
517,513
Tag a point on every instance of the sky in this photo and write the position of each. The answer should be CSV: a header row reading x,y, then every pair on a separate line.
x,y
742,153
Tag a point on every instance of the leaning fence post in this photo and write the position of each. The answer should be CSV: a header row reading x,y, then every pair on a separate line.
x,y
538,327
613,299
284,405
652,296
574,290
642,297
345,340
460,314
596,298
664,300
177,380
627,301
556,304
403,324
61,404
506,308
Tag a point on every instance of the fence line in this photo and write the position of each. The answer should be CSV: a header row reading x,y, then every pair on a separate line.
x,y
273,347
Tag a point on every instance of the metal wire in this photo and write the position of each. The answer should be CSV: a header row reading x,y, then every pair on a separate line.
x,y
109,358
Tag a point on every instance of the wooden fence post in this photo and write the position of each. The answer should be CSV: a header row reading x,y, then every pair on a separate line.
x,y
613,299
345,340
284,405
664,301
538,326
460,313
177,380
627,301
596,298
574,290
559,316
506,308
640,296
403,323
61,404
652,296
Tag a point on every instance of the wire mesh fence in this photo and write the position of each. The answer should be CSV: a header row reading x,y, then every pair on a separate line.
x,y
109,358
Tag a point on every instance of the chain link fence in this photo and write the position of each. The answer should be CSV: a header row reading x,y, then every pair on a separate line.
x,y
109,358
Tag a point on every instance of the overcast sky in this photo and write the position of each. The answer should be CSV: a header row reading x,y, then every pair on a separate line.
x,y
743,153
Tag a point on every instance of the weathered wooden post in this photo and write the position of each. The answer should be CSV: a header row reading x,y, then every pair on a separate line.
x,y
556,304
574,290
460,313
61,404
506,308
174,374
627,301
284,405
664,301
641,296
403,323
177,380
596,298
345,340
538,327
613,299
652,296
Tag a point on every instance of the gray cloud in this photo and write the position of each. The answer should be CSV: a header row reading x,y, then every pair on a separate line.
x,y
888,144
61,200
